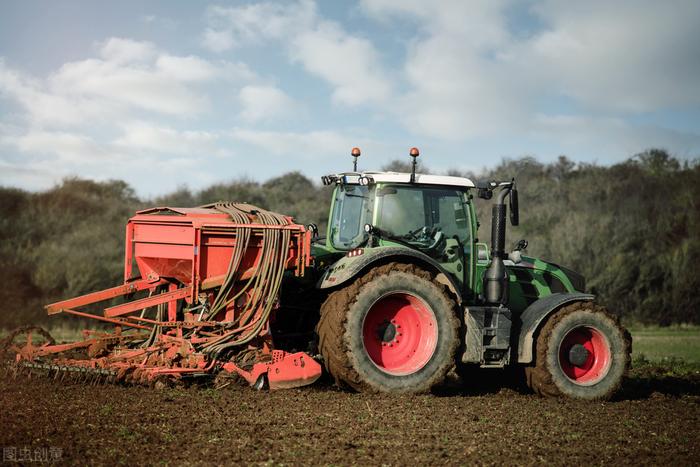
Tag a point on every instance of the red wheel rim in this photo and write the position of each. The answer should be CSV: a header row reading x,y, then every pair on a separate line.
x,y
584,355
400,333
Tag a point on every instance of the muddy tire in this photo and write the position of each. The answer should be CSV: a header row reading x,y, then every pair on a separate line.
x,y
582,352
391,330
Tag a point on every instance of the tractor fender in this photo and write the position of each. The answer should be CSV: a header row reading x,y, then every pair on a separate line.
x,y
348,267
535,315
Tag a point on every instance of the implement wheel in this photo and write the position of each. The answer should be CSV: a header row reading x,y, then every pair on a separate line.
x,y
581,352
393,329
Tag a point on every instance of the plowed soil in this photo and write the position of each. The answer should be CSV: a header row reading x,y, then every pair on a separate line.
x,y
655,420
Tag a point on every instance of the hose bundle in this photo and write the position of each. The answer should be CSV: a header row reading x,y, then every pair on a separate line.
x,y
262,288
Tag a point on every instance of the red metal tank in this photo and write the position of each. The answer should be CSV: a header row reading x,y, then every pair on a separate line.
x,y
195,245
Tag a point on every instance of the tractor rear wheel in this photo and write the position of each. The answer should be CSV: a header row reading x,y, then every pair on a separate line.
x,y
392,330
582,351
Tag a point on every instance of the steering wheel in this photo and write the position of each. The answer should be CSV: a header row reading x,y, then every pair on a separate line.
x,y
431,240
414,233
438,237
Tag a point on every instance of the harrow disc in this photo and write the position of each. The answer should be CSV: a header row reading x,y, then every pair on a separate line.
x,y
81,374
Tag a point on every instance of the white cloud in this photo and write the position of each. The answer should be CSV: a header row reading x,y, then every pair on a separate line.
x,y
261,103
322,150
63,147
30,175
309,144
349,63
128,86
489,75
257,22
482,23
217,41
130,76
455,93
152,159
44,107
160,22
314,152
630,56
147,136
459,85
470,74
119,50
98,116
186,69
604,136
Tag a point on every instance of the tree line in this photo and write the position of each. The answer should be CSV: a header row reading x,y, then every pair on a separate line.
x,y
631,228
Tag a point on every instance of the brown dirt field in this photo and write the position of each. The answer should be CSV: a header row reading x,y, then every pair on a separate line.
x,y
656,420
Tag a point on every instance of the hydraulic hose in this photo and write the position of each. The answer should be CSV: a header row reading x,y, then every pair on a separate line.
x,y
264,284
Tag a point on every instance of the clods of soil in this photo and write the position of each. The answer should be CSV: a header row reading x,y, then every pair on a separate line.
x,y
651,422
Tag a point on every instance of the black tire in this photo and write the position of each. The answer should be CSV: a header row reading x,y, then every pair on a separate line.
x,y
594,375
340,330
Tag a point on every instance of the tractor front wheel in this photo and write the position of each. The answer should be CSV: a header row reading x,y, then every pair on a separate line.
x,y
393,330
582,351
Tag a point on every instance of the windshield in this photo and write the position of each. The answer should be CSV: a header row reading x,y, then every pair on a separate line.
x,y
351,211
413,214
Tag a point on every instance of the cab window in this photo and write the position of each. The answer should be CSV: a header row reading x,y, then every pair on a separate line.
x,y
405,211
351,211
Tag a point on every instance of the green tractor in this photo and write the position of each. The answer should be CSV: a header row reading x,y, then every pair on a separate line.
x,y
410,293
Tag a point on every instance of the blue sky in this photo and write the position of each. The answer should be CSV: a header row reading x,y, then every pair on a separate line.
x,y
171,93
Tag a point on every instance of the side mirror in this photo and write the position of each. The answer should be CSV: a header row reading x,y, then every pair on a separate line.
x,y
485,193
520,245
514,212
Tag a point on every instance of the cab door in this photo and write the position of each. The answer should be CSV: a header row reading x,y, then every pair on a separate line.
x,y
433,219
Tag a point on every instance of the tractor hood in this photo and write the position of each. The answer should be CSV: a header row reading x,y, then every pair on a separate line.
x,y
554,275
532,279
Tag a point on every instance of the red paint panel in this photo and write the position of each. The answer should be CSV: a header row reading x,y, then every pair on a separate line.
x,y
193,248
189,212
217,251
160,233
154,250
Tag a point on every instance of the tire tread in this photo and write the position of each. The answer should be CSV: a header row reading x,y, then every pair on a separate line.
x,y
539,378
331,327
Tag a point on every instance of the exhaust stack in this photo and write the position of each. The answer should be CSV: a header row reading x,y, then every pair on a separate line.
x,y
496,277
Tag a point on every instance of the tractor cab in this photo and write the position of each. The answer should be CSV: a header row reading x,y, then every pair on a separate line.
x,y
423,214
432,215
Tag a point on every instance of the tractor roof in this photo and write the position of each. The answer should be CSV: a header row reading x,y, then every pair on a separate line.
x,y
397,177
